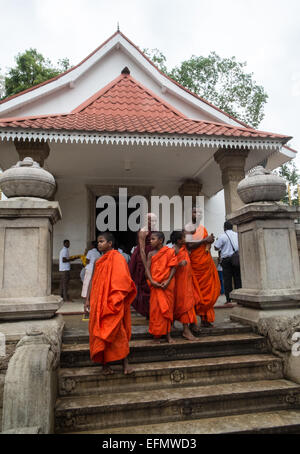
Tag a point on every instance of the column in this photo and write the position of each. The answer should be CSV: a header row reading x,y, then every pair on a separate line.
x,y
37,150
232,165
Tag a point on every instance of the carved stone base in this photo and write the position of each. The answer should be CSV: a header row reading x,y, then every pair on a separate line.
x,y
250,316
29,308
268,299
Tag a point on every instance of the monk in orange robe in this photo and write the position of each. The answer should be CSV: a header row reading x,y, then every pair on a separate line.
x,y
205,272
187,294
109,297
160,270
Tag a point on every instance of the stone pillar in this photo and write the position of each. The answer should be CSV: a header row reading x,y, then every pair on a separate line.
x,y
190,188
26,232
232,165
268,251
37,150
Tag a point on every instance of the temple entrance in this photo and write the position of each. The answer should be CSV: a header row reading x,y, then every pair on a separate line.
x,y
125,240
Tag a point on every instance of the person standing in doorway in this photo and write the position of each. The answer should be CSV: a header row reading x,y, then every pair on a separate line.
x,y
228,244
64,270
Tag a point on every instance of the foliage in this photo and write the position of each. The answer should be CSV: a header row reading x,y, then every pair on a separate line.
x,y
32,68
158,59
290,173
221,81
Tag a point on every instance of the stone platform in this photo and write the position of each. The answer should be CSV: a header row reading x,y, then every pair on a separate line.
x,y
224,382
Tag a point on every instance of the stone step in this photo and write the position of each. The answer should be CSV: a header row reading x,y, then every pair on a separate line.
x,y
175,404
80,335
171,374
276,422
78,355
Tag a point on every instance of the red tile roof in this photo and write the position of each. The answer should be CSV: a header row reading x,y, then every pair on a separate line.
x,y
125,105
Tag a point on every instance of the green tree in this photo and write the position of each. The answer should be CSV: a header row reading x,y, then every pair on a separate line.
x,y
158,59
290,174
31,69
224,83
221,81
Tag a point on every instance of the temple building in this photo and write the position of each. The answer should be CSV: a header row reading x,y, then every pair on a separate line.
x,y
116,121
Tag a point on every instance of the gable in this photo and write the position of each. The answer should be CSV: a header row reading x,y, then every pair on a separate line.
x,y
65,92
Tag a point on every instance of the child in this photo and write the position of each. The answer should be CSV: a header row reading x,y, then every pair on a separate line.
x,y
161,267
186,294
109,296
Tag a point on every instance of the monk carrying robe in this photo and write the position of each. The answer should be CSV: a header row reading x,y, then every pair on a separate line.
x,y
206,274
161,267
109,298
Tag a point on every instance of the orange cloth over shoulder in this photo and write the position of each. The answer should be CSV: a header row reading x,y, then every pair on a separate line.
x,y
207,277
186,293
112,292
162,301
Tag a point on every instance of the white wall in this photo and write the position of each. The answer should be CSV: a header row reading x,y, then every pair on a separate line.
x,y
72,197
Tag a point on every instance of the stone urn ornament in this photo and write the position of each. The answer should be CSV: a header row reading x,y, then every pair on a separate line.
x,y
261,185
27,179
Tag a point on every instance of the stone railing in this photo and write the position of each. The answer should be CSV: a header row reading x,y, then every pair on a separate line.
x,y
30,387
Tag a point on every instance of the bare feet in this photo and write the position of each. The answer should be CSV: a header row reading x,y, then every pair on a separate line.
x,y
169,339
206,324
187,333
195,328
107,370
126,369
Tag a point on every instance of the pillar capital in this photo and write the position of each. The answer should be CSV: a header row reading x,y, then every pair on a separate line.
x,y
232,165
38,150
191,188
231,157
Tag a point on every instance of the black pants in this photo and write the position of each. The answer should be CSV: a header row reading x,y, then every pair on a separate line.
x,y
64,284
230,273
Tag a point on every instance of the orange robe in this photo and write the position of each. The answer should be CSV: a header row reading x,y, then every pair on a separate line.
x,y
186,293
112,293
162,301
207,277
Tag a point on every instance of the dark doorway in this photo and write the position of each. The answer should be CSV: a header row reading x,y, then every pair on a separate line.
x,y
125,240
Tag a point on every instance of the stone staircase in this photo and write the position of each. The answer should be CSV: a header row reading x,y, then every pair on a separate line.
x,y
225,382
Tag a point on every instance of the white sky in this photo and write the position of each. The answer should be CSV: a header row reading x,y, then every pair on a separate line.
x,y
264,33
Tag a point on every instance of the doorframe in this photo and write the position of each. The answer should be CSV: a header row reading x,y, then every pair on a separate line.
x,y
97,190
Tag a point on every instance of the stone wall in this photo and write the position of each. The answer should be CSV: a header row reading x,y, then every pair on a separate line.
x,y
4,360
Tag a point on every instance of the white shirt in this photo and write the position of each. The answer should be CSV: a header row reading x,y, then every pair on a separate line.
x,y
224,244
64,253
92,255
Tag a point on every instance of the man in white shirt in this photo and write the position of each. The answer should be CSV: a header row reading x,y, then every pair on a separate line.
x,y
228,244
64,270
91,257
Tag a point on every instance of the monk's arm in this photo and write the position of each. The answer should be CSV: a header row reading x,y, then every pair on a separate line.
x,y
207,240
142,243
166,283
148,272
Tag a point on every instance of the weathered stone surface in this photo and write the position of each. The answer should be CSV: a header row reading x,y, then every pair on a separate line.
x,y
26,229
115,410
261,185
149,376
27,179
275,422
279,331
30,382
266,237
146,351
